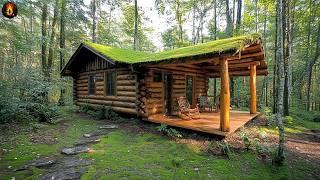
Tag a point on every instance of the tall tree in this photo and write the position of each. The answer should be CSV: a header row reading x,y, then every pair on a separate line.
x,y
62,45
52,38
229,20
280,154
44,18
94,20
135,36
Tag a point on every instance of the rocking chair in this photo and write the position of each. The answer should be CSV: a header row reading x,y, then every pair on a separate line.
x,y
185,111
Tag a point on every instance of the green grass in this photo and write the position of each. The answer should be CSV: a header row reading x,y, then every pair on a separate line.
x,y
142,156
23,150
130,56
120,155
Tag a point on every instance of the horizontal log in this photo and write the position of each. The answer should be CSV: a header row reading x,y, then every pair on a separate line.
x,y
126,72
110,98
155,90
116,109
82,85
85,88
156,95
126,93
109,103
126,88
126,82
82,80
155,85
125,77
177,86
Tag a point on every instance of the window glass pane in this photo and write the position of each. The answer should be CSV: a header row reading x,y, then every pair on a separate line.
x,y
157,77
111,83
92,84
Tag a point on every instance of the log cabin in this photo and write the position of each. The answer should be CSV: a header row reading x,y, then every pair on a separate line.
x,y
147,85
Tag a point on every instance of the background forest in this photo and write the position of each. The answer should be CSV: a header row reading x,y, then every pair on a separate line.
x,y
37,43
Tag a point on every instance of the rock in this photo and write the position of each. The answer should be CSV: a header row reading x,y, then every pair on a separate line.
x,y
70,161
97,133
75,150
71,173
42,162
87,141
109,127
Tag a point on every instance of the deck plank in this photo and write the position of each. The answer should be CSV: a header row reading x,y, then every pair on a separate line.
x,y
208,122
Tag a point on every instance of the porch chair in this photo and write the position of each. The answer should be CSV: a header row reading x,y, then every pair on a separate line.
x,y
206,102
185,111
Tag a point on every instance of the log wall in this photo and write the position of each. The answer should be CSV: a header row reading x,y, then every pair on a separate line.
x,y
125,99
155,103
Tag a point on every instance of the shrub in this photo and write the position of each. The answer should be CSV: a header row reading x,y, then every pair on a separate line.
x,y
225,148
169,131
316,118
245,139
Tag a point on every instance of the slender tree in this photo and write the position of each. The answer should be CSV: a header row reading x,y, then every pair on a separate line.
x,y
62,45
280,154
135,36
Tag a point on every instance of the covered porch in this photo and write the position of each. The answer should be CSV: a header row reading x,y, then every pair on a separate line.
x,y
246,61
209,122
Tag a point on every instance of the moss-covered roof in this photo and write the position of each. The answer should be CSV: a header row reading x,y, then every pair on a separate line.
x,y
131,56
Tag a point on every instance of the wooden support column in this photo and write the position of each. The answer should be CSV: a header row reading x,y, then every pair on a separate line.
x,y
253,89
224,96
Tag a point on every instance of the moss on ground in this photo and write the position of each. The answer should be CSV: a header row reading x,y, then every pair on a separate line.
x,y
23,150
218,46
120,155
141,155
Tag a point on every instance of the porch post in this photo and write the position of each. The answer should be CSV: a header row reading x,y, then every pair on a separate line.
x,y
224,96
253,92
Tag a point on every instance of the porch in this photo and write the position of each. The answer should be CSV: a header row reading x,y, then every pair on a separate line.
x,y
209,122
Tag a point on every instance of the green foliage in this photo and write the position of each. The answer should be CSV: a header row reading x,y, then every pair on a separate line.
x,y
26,99
245,139
225,147
169,131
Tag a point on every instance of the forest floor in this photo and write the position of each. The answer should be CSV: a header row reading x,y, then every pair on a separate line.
x,y
137,150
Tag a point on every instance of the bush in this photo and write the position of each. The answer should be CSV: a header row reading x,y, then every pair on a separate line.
x,y
169,131
316,118
25,99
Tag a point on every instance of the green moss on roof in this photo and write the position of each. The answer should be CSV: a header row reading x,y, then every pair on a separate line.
x,y
130,56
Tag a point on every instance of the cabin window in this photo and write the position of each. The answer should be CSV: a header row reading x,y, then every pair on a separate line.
x,y
157,77
92,84
110,81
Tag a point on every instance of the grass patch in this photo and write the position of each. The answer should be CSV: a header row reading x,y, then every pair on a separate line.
x,y
120,155
21,149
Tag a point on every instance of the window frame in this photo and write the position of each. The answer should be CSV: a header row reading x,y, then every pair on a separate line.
x,y
106,83
93,76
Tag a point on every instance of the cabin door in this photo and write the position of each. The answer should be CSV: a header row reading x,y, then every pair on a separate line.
x,y
167,93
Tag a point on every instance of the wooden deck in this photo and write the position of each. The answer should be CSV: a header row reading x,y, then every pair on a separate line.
x,y
208,122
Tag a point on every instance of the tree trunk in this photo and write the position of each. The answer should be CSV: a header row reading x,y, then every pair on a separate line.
x,y
62,45
275,63
94,21
229,20
256,14
311,63
238,23
52,37
280,155
135,36
44,17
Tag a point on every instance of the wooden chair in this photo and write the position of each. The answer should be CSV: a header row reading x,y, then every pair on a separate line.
x,y
204,103
185,110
